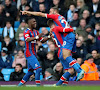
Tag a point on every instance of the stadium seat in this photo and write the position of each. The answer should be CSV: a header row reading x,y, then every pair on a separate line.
x,y
25,70
1,29
45,45
7,71
16,24
15,29
7,77
40,31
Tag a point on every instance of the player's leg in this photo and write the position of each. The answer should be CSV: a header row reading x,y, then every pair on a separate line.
x,y
28,74
36,66
67,48
72,62
65,77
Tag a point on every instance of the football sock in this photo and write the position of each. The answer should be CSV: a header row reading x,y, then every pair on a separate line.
x,y
64,77
37,76
25,78
73,63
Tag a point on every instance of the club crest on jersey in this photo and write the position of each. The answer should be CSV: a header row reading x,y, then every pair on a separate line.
x,y
36,65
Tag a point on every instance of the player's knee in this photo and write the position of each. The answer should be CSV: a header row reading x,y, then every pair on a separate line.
x,y
71,71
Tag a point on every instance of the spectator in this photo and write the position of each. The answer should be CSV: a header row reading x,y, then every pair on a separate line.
x,y
97,28
19,58
90,43
8,31
96,57
2,16
86,15
18,74
81,7
42,21
45,31
11,10
22,6
61,7
49,75
98,41
20,45
81,38
79,60
81,29
58,70
94,6
95,19
10,45
90,69
21,29
35,4
81,50
53,49
70,12
88,30
5,60
51,61
75,22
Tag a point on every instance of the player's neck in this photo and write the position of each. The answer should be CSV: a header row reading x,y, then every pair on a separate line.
x,y
31,28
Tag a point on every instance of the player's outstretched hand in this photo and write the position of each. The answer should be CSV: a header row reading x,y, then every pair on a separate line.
x,y
24,12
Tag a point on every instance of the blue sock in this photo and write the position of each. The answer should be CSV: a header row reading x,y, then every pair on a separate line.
x,y
37,76
25,78
64,77
73,63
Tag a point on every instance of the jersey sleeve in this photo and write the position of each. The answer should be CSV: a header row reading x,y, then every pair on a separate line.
x,y
52,16
26,35
41,38
64,30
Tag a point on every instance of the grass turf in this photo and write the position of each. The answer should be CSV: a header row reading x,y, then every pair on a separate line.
x,y
53,88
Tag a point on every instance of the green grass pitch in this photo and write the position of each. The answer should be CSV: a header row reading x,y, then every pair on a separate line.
x,y
53,88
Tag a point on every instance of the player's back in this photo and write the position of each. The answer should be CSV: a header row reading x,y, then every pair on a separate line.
x,y
59,20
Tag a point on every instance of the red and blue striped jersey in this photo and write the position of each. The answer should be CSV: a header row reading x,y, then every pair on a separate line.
x,y
30,47
58,20
58,34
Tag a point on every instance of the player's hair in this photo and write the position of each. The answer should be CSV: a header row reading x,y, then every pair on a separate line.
x,y
50,22
55,8
28,19
19,65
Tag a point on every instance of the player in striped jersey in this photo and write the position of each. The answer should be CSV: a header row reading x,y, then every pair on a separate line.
x,y
60,21
31,36
64,38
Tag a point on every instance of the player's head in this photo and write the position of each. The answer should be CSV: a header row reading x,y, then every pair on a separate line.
x,y
50,23
32,22
54,10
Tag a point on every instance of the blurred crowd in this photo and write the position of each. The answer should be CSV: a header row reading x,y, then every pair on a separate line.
x,y
82,15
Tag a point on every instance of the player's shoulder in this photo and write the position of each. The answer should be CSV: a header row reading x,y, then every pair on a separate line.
x,y
27,30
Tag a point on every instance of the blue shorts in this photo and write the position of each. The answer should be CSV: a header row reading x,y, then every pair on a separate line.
x,y
69,42
65,64
32,62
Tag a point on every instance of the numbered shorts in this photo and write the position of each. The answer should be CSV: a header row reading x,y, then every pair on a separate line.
x,y
69,42
32,62
65,65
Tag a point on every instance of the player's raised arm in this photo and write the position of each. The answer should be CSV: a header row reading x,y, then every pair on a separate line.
x,y
34,13
61,29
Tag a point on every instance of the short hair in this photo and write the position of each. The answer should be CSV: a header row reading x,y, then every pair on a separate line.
x,y
50,22
55,8
19,65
